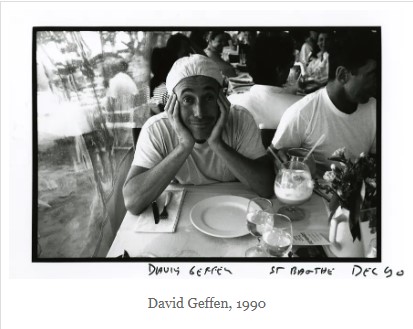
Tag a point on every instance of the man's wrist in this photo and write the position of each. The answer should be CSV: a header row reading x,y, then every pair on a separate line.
x,y
185,147
216,145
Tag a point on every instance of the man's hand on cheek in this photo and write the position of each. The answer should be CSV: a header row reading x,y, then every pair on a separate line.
x,y
172,108
216,135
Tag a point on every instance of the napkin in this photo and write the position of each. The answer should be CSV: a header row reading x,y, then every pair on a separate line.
x,y
146,223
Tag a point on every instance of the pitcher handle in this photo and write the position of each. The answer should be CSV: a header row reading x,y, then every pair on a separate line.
x,y
333,230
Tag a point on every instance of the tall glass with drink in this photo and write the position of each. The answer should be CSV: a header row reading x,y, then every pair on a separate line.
x,y
293,186
258,212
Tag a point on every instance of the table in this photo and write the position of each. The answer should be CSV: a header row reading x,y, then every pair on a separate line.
x,y
187,241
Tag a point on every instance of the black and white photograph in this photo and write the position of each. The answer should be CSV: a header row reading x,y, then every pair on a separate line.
x,y
207,143
205,164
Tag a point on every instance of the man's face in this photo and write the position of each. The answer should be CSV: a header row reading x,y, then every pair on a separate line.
x,y
219,42
198,100
362,84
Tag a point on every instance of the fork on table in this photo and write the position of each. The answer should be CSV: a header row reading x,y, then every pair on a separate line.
x,y
164,213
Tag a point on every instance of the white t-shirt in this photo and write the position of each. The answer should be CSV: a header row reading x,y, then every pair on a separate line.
x,y
122,90
314,115
158,138
305,53
121,85
267,104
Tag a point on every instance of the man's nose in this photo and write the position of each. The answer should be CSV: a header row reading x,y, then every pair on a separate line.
x,y
198,110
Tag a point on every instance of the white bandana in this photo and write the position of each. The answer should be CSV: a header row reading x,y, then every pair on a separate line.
x,y
192,66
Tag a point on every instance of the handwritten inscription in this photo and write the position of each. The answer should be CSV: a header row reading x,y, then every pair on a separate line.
x,y
374,271
194,270
298,271
218,270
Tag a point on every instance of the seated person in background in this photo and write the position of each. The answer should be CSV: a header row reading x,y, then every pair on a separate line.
x,y
198,41
343,110
199,139
308,48
217,40
269,63
318,66
161,63
178,46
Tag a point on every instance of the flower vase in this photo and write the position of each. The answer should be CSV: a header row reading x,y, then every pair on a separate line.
x,y
342,242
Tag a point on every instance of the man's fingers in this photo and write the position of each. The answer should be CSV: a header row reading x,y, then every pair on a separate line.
x,y
224,99
175,113
168,102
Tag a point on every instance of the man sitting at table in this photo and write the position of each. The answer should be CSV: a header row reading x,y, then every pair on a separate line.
x,y
199,139
343,111
269,63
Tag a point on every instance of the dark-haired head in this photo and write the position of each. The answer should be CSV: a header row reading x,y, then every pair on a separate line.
x,y
270,58
352,51
217,40
353,66
179,46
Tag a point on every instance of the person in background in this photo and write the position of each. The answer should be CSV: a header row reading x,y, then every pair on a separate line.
x,y
199,139
122,98
178,46
318,66
269,63
343,111
198,41
217,40
308,48
161,63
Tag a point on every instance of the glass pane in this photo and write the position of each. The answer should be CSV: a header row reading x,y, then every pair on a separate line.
x,y
92,92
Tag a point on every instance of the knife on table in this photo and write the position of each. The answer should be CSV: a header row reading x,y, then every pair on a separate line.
x,y
155,211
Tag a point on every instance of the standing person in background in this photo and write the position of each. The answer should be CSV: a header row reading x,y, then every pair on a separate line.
x,y
122,98
217,41
308,48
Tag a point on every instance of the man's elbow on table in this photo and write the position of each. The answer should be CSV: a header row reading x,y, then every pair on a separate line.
x,y
134,202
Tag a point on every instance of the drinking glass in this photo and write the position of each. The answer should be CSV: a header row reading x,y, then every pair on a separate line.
x,y
293,186
277,238
258,212
299,154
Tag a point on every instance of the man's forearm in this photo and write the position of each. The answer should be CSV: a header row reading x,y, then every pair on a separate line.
x,y
257,174
141,189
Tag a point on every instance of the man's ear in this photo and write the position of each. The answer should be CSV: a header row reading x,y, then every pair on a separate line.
x,y
342,74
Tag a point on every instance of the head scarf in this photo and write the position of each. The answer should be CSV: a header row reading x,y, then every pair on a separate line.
x,y
193,65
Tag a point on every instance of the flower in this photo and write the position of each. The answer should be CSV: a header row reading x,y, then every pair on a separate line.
x,y
345,182
329,176
339,153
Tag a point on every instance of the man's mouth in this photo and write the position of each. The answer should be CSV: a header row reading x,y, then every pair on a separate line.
x,y
200,124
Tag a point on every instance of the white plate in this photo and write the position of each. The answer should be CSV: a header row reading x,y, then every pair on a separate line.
x,y
221,216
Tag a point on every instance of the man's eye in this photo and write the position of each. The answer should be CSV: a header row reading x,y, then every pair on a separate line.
x,y
188,100
210,98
